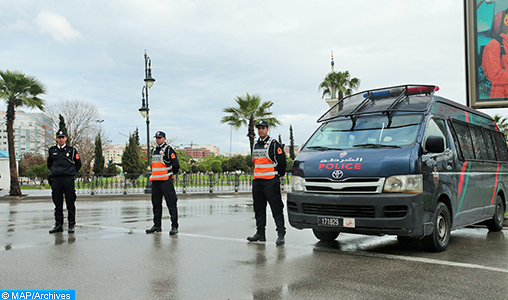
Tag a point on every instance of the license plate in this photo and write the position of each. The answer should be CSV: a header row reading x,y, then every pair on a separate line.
x,y
330,221
336,222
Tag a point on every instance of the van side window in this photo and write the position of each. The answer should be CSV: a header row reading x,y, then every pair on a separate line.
x,y
455,139
479,144
464,139
489,144
500,145
436,127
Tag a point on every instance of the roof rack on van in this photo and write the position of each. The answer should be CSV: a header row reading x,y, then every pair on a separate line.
x,y
386,100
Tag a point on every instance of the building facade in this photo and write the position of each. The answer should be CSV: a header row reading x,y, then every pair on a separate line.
x,y
114,153
32,133
198,152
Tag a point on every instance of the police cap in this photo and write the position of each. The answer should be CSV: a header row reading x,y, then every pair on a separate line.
x,y
61,134
160,134
262,123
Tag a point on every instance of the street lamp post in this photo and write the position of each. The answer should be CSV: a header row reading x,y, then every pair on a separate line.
x,y
100,122
144,110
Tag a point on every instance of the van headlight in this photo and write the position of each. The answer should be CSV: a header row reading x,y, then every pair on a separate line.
x,y
297,184
404,184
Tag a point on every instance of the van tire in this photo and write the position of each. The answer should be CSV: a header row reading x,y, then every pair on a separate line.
x,y
438,240
496,223
325,236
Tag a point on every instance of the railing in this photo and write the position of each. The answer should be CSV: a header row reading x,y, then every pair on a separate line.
x,y
184,183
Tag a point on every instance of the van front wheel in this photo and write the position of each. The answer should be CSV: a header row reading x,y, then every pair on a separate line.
x,y
496,223
438,240
325,236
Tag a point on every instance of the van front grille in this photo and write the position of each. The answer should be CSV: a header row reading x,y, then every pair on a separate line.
x,y
347,211
349,185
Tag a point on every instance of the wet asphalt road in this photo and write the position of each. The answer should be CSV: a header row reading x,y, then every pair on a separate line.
x,y
110,256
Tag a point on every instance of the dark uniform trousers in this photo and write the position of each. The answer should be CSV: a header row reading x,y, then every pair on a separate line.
x,y
164,188
61,186
263,191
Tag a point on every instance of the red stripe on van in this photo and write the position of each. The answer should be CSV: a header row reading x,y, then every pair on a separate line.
x,y
467,116
462,174
495,185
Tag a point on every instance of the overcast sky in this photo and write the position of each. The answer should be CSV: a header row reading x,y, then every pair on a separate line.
x,y
205,53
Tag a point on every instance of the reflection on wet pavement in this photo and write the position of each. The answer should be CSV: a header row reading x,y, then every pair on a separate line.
x,y
210,257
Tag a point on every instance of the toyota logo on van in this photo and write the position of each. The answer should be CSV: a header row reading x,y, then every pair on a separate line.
x,y
337,174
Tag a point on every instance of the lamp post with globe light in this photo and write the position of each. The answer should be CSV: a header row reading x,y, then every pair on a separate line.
x,y
144,110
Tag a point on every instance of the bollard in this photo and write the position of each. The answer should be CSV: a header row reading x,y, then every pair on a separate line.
x,y
211,182
184,182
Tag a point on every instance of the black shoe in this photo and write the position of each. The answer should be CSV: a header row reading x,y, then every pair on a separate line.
x,y
154,229
71,228
257,237
280,241
173,231
57,228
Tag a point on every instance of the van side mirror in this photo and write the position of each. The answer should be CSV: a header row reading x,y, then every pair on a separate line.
x,y
434,144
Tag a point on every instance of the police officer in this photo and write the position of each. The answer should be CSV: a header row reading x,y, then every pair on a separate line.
x,y
63,163
164,165
269,165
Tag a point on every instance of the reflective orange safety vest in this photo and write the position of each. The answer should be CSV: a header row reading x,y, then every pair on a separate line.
x,y
159,169
264,167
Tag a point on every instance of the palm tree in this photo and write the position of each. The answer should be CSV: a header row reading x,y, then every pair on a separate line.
x,y
248,112
18,90
502,123
339,85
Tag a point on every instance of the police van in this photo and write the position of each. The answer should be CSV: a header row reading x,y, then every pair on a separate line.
x,y
400,161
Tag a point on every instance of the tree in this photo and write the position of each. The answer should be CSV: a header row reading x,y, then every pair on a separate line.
x,y
112,169
339,85
280,139
62,126
226,165
98,166
18,90
248,112
143,158
289,165
40,172
184,160
238,163
131,164
216,166
248,161
212,161
291,143
80,120
28,160
502,123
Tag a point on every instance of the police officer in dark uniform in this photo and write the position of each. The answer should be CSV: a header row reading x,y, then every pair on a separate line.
x,y
63,163
164,165
269,165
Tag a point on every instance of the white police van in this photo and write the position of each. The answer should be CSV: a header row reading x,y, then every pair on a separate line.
x,y
400,161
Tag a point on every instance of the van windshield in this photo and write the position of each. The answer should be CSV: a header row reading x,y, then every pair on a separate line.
x,y
366,132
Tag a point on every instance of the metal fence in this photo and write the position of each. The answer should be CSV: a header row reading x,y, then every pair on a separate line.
x,y
98,184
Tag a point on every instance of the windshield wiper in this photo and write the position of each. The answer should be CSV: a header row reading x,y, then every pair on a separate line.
x,y
322,148
371,145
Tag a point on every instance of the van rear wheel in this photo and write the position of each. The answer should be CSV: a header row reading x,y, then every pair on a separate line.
x,y
438,240
325,236
496,223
